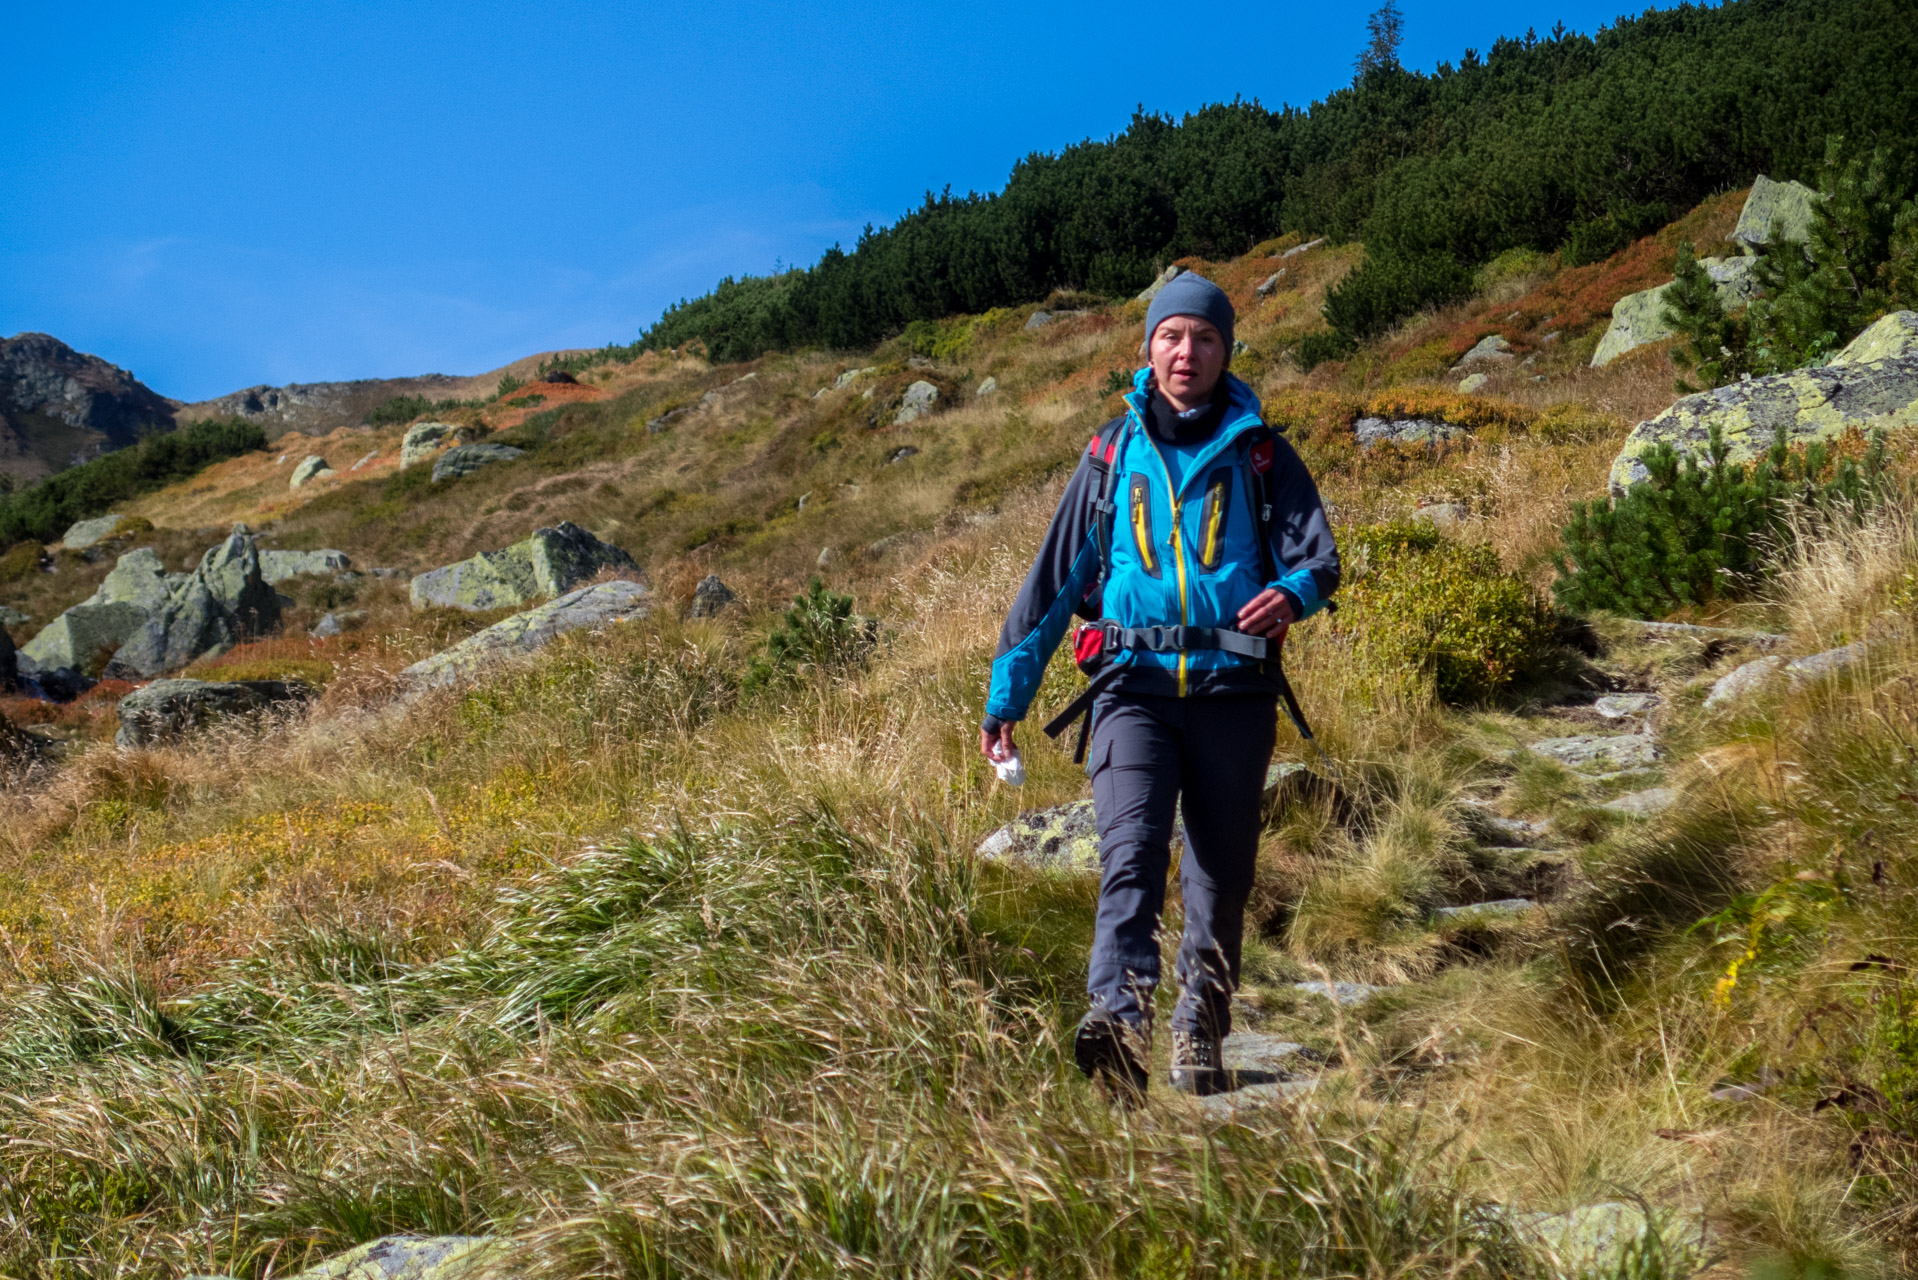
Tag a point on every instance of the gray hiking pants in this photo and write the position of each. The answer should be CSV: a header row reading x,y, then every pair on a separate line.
x,y
1147,753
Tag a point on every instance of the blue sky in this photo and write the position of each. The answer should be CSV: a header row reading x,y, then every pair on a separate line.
x,y
217,195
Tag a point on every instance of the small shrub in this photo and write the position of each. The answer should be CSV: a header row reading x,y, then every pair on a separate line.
x,y
1694,533
508,385
1421,610
1713,345
819,633
1314,349
1387,287
20,561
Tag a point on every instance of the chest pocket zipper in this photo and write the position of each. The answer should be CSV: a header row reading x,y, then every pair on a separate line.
x,y
1139,511
1212,518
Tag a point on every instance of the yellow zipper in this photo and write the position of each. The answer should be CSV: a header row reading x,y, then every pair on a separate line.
x,y
1178,550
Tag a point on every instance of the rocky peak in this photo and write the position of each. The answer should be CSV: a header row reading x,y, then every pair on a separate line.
x,y
59,406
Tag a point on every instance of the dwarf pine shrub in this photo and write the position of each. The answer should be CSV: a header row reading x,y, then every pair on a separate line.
x,y
819,633
1421,609
1697,532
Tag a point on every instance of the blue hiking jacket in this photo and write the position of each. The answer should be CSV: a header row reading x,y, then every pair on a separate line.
x,y
1188,557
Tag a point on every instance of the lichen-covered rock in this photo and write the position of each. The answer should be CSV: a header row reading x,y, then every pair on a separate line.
x,y
1811,404
1743,681
311,468
1639,318
1643,804
1427,431
1625,706
465,459
989,387
851,376
528,632
222,602
1496,907
710,596
1831,661
550,563
411,1258
1491,349
277,566
1341,993
1887,338
87,533
920,398
1774,212
1166,277
1591,1239
75,646
1062,838
424,439
168,710
1615,751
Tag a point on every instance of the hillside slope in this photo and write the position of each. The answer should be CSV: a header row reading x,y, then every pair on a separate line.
x,y
668,951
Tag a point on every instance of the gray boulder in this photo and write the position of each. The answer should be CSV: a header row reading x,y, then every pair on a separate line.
x,y
1890,337
222,602
1586,751
312,467
83,534
76,645
277,566
988,387
411,1258
1166,277
1625,706
1643,804
1038,320
1341,993
1639,318
1871,384
465,459
1062,838
920,397
168,710
1774,212
338,624
550,563
1496,907
1442,516
1491,349
1298,249
1827,663
1743,681
1271,282
1370,432
424,439
1472,383
710,596
851,376
528,632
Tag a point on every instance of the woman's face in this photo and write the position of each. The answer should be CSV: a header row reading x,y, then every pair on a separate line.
x,y
1187,356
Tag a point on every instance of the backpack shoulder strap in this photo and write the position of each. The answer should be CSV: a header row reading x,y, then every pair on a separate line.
x,y
1261,458
1103,456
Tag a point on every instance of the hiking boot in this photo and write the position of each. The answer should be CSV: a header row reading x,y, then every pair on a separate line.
x,y
1114,1055
1198,1066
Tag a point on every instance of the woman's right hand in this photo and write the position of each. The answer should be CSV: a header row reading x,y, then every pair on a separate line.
x,y
997,747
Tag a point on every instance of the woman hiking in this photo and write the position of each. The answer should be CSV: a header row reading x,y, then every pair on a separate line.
x,y
1193,537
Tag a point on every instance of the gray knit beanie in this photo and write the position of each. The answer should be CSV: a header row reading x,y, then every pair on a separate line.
x,y
1191,294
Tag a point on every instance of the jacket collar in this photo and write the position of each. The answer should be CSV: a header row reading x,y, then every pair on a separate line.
x,y
1241,415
